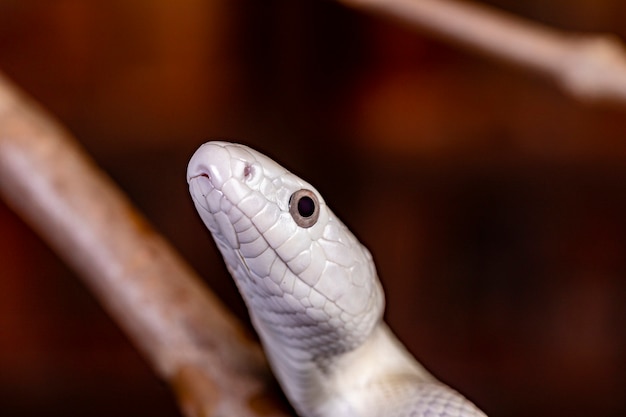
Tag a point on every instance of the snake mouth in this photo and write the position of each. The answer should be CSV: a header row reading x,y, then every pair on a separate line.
x,y
200,186
204,174
211,204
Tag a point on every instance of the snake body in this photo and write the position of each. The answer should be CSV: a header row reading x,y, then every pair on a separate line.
x,y
312,292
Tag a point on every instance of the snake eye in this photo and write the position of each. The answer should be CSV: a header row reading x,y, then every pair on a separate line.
x,y
304,208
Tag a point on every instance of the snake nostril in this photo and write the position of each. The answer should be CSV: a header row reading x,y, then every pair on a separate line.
x,y
247,170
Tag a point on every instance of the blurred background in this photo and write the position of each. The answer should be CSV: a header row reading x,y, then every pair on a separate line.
x,y
494,205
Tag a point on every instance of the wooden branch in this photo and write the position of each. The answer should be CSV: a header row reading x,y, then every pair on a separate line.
x,y
589,67
182,329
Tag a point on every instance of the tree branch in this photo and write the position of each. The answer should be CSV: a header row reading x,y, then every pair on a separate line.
x,y
182,329
589,67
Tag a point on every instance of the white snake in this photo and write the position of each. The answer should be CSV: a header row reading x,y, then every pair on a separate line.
x,y
312,292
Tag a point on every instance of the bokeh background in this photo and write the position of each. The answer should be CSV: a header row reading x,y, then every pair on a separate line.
x,y
494,204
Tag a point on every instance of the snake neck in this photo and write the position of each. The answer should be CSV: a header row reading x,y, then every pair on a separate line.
x,y
332,385
312,332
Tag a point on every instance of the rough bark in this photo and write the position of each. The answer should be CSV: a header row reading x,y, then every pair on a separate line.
x,y
182,329
590,67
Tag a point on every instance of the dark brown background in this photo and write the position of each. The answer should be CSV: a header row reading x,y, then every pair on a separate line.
x,y
494,205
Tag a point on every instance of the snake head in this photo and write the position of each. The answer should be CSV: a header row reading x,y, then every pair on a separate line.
x,y
295,263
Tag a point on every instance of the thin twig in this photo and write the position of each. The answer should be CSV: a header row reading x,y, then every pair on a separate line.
x,y
182,329
590,67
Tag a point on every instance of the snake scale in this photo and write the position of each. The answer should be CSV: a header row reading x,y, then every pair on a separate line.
x,y
312,292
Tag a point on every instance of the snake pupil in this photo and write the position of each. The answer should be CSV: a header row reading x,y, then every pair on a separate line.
x,y
306,206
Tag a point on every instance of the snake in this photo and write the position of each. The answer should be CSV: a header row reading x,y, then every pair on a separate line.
x,y
312,292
